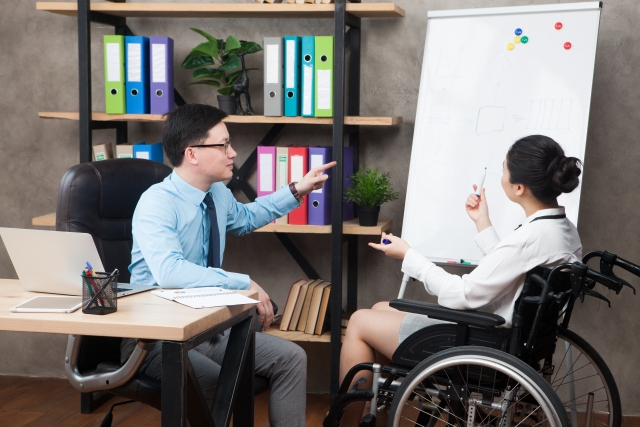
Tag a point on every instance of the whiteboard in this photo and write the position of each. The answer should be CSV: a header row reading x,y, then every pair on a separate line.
x,y
478,95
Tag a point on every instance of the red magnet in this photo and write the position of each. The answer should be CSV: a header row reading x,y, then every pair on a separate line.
x,y
558,25
567,45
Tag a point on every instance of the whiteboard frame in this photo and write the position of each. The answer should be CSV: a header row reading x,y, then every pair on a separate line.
x,y
511,10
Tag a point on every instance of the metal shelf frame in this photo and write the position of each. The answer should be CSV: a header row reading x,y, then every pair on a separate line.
x,y
347,37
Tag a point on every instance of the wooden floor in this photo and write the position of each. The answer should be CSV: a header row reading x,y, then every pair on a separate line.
x,y
31,402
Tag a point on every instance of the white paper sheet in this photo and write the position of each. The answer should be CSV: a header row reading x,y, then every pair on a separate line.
x,y
272,52
113,62
291,57
324,89
204,297
316,160
266,172
297,171
134,62
159,55
307,107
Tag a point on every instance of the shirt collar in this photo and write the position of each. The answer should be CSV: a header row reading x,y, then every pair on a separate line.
x,y
191,193
544,212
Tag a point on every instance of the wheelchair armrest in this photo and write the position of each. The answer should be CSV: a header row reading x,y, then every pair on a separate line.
x,y
435,311
97,380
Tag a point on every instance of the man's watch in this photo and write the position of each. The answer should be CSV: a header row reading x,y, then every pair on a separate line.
x,y
295,193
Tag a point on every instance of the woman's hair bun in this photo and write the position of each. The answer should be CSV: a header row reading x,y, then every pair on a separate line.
x,y
564,173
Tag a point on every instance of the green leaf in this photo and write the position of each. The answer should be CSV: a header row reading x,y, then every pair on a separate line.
x,y
208,73
194,60
250,47
232,44
209,48
227,90
206,82
232,63
205,35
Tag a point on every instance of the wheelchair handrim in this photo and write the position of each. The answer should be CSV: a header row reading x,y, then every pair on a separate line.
x,y
491,363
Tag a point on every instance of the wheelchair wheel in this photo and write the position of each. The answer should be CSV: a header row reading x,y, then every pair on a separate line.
x,y
578,371
475,387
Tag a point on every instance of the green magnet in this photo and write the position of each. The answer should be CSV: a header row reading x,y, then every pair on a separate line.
x,y
524,39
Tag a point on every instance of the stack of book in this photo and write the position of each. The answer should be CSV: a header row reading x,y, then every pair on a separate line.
x,y
306,309
278,166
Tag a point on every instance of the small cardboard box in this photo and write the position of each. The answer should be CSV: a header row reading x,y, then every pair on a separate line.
x,y
124,151
102,152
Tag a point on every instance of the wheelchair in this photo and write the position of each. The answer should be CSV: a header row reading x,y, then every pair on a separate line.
x,y
470,372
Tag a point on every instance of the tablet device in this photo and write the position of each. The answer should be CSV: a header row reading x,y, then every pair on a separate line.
x,y
49,305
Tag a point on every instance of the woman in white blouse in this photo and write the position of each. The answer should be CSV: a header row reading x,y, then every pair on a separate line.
x,y
535,173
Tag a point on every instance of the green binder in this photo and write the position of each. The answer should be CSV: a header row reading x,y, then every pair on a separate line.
x,y
323,82
114,78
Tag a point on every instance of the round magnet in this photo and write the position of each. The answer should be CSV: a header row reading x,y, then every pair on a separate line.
x,y
524,39
517,39
518,31
510,46
558,25
567,45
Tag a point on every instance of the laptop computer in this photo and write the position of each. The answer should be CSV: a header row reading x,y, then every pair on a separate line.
x,y
52,261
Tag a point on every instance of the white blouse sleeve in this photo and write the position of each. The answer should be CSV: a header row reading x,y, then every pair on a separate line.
x,y
494,277
487,239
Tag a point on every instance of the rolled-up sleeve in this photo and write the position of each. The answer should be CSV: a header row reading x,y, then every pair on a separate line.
x,y
244,218
154,227
494,277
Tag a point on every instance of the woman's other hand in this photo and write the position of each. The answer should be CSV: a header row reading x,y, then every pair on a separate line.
x,y
396,249
478,210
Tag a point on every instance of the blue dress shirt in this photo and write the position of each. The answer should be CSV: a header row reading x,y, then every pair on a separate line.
x,y
171,232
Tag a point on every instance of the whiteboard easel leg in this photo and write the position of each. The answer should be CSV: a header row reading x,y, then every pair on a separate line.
x,y
403,286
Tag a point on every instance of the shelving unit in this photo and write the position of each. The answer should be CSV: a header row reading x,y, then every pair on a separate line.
x,y
346,121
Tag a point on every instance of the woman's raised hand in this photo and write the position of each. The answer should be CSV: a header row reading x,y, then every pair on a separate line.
x,y
478,210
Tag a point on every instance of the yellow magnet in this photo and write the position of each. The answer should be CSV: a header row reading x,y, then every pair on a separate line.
x,y
516,39
510,46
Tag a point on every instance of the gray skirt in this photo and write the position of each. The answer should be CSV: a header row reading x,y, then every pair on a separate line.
x,y
414,322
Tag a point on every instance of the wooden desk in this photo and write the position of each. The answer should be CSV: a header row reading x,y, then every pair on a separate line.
x,y
145,316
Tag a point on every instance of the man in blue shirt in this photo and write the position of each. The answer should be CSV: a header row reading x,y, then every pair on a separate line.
x,y
179,228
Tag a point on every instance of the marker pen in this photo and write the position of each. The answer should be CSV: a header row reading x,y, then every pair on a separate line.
x,y
479,189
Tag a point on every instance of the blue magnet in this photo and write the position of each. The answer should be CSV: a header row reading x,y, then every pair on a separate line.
x,y
386,241
518,31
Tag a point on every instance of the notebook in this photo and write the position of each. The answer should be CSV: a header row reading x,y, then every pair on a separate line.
x,y
204,297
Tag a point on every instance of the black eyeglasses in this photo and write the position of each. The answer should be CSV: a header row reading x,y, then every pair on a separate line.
x,y
225,145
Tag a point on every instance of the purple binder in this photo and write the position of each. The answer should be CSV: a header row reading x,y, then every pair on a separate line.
x,y
161,59
347,171
319,209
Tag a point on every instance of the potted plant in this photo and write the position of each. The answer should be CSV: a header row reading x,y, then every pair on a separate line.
x,y
216,63
370,189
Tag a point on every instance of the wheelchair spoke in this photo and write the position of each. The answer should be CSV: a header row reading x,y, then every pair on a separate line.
x,y
573,371
575,381
582,395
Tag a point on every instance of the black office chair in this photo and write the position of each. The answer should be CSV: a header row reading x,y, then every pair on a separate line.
x,y
99,198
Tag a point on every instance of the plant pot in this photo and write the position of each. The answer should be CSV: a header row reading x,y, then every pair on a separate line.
x,y
228,104
368,216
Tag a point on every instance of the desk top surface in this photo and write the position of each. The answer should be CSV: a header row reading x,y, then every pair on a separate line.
x,y
139,316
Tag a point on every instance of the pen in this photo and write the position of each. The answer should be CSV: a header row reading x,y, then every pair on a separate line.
x,y
479,189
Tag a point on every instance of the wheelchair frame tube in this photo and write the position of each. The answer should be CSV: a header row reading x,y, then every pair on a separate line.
x,y
377,369
403,285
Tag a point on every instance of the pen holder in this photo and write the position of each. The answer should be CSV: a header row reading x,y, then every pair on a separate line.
x,y
100,293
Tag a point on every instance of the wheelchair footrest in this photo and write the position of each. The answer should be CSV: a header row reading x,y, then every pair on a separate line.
x,y
341,401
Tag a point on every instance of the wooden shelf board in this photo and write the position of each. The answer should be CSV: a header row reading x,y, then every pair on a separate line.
x,y
229,10
48,220
348,120
299,336
349,227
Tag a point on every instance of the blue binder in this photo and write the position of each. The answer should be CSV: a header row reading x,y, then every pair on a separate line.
x,y
153,152
137,72
308,49
291,76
